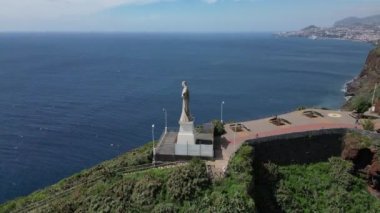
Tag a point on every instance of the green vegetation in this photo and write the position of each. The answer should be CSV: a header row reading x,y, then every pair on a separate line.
x,y
362,101
333,186
230,194
110,187
377,51
187,183
218,128
354,140
105,173
266,178
361,104
234,192
368,125
300,108
323,187
181,188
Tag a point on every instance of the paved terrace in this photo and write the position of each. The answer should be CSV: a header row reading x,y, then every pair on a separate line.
x,y
263,128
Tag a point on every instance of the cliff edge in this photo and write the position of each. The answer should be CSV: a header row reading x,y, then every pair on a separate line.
x,y
362,86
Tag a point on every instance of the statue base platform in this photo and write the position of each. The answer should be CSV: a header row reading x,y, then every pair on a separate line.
x,y
186,133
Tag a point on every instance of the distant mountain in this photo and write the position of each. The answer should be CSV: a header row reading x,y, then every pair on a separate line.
x,y
351,21
311,27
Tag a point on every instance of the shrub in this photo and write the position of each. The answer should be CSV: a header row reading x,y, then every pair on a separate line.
x,y
232,194
361,104
242,162
218,128
187,181
323,187
354,140
338,199
165,208
340,172
145,191
225,203
62,207
123,190
272,172
368,125
301,108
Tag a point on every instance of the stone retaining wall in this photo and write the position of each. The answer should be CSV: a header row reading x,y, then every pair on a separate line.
x,y
299,148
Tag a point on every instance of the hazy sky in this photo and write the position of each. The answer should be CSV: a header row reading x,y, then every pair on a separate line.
x,y
177,15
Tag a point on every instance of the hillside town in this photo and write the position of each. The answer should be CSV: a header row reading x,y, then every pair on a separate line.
x,y
357,32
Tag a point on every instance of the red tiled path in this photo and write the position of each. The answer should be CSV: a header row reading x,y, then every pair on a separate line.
x,y
299,123
291,129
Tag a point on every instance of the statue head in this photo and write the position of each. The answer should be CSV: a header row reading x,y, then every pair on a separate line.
x,y
184,84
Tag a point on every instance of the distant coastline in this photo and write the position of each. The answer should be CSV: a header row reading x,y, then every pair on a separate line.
x,y
365,29
354,29
316,33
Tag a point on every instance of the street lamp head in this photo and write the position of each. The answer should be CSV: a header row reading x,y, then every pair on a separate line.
x,y
163,109
152,125
222,102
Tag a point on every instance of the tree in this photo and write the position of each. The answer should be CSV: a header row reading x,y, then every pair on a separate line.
x,y
218,128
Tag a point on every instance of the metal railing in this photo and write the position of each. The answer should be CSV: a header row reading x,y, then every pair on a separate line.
x,y
169,129
161,139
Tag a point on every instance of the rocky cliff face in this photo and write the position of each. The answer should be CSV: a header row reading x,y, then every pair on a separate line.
x,y
363,84
364,152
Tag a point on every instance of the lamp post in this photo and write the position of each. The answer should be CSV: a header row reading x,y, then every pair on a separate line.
x,y
373,99
166,119
154,150
221,111
235,137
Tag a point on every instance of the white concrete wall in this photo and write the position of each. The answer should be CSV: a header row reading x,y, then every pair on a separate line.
x,y
194,150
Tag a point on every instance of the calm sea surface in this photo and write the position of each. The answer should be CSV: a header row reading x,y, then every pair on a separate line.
x,y
70,101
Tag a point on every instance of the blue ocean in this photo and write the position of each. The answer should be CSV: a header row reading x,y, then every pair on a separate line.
x,y
69,101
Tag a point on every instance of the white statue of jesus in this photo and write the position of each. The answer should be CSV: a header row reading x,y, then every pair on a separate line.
x,y
185,116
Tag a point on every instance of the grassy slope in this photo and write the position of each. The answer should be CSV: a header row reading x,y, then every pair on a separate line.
x,y
135,157
320,187
326,186
183,188
323,187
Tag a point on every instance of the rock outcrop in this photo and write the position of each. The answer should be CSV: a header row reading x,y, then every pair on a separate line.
x,y
365,158
363,84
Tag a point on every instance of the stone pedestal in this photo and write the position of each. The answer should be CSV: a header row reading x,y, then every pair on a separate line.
x,y
186,133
